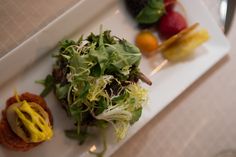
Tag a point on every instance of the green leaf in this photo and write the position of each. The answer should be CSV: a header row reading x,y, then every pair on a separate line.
x,y
136,114
85,90
61,91
65,43
82,89
121,97
96,71
73,134
48,84
80,65
107,38
123,56
101,106
92,38
101,58
152,12
76,112
80,40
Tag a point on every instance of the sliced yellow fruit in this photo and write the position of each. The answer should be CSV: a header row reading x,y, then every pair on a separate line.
x,y
185,46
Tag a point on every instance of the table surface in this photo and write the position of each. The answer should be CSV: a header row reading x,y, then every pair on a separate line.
x,y
201,122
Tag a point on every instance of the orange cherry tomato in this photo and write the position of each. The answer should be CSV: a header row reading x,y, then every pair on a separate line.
x,y
146,41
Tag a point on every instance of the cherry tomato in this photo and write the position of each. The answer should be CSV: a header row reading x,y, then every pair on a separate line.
x,y
146,41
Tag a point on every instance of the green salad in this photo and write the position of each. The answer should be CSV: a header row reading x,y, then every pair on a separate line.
x,y
96,81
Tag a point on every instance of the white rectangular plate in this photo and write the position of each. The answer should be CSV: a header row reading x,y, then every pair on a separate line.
x,y
32,61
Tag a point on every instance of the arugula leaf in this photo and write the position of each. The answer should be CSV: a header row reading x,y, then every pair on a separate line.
x,y
123,55
80,65
85,90
96,71
66,43
101,106
48,83
152,12
101,58
107,38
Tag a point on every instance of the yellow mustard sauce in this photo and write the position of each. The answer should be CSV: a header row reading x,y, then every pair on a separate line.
x,y
29,121
36,125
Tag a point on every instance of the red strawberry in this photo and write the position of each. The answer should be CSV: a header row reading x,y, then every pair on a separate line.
x,y
171,24
169,5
